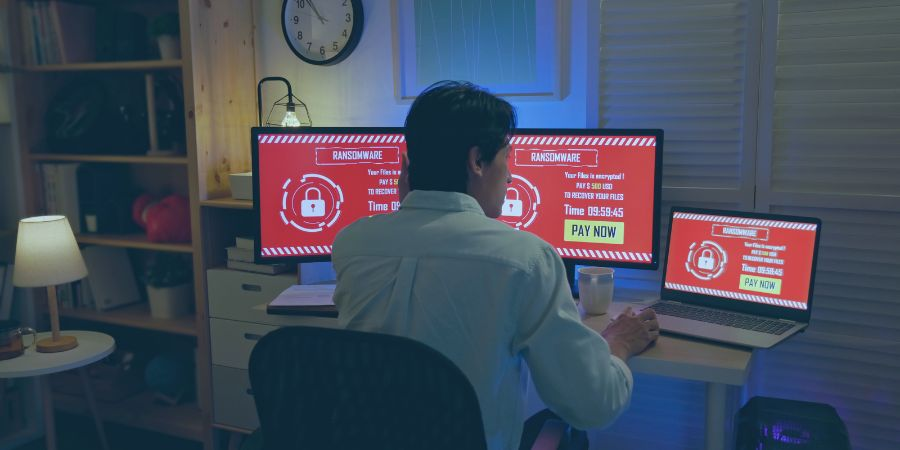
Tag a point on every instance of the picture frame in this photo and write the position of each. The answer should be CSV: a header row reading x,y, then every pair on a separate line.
x,y
514,53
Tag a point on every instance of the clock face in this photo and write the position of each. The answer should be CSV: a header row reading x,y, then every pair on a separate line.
x,y
322,32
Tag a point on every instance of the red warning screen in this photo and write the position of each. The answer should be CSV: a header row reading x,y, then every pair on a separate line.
x,y
590,196
743,258
313,185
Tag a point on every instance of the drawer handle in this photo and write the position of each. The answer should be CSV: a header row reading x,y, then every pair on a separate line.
x,y
251,287
252,336
249,391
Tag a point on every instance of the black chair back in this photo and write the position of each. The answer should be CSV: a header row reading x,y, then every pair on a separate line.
x,y
321,388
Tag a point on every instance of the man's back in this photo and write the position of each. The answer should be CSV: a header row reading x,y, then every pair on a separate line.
x,y
481,293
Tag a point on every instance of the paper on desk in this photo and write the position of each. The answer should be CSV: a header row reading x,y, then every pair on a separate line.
x,y
305,295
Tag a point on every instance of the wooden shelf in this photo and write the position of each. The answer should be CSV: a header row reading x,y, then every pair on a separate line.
x,y
127,159
228,203
135,316
156,64
140,411
220,426
138,241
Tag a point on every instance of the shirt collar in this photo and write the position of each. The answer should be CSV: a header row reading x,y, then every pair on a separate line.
x,y
442,201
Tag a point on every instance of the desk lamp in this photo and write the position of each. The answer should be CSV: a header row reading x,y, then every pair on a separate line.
x,y
47,255
289,102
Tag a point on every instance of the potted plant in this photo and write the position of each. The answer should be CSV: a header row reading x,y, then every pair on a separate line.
x,y
165,29
169,277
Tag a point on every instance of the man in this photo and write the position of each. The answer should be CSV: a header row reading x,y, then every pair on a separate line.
x,y
442,271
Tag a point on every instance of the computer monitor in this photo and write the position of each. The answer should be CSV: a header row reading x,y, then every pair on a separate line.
x,y
593,194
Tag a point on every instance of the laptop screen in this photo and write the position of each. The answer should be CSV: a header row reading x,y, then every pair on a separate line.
x,y
760,259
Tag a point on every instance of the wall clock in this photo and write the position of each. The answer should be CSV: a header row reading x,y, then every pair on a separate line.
x,y
322,32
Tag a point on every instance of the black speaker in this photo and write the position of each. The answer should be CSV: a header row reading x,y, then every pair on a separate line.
x,y
779,424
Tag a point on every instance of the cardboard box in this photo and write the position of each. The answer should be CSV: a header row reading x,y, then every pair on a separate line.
x,y
241,185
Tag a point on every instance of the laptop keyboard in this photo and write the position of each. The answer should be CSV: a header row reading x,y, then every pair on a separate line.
x,y
722,318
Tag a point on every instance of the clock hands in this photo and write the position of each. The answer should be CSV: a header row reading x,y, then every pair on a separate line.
x,y
316,10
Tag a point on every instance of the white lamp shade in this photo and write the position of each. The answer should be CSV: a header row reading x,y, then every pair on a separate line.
x,y
46,253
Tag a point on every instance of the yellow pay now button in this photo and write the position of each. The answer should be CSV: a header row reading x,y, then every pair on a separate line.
x,y
760,284
594,231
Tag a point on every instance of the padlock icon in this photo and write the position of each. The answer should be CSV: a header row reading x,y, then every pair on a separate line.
x,y
512,207
312,208
706,261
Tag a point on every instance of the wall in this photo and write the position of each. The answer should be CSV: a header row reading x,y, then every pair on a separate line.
x,y
359,91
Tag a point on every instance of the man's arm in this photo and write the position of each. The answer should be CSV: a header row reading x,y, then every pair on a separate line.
x,y
573,368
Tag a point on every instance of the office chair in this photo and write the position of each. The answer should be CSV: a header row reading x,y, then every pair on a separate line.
x,y
321,388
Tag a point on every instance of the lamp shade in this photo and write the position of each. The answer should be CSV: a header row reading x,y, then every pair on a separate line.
x,y
46,253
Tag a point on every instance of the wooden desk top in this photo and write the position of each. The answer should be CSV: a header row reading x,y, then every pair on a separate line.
x,y
683,357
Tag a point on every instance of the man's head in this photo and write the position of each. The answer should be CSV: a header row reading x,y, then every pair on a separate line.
x,y
457,137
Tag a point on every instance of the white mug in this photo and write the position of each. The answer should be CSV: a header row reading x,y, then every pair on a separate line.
x,y
595,289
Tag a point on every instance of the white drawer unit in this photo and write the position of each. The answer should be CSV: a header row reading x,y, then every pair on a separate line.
x,y
232,292
232,341
238,320
233,403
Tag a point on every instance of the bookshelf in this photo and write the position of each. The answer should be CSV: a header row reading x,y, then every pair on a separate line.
x,y
104,66
133,241
140,411
135,316
120,159
207,52
227,203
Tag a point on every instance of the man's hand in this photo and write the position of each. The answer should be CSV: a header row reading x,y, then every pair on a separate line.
x,y
630,333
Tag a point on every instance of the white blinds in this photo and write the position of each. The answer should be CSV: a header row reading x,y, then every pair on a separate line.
x,y
828,147
680,66
683,67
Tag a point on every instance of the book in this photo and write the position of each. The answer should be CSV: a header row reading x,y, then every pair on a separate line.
x,y
239,254
61,192
6,291
27,33
111,277
303,299
270,269
244,242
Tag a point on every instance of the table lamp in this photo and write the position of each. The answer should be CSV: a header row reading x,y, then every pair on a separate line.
x,y
290,102
47,255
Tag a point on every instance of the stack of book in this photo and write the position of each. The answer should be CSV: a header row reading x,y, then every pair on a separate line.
x,y
57,32
240,257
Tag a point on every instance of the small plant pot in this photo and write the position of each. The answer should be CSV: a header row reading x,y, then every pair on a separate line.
x,y
170,302
169,46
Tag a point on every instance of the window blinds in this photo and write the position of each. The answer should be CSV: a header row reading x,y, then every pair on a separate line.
x,y
828,147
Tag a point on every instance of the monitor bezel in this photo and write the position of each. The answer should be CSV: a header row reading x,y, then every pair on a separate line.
x,y
254,134
569,262
747,307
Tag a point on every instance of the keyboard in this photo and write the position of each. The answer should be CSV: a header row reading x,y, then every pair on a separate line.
x,y
725,318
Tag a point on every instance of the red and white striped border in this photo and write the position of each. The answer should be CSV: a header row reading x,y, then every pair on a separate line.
x,y
743,221
632,141
331,138
737,296
298,251
603,254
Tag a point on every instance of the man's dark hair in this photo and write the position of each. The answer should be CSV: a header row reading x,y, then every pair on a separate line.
x,y
446,120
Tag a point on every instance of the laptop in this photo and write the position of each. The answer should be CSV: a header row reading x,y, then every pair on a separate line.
x,y
737,277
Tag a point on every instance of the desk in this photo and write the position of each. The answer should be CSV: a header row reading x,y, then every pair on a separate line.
x,y
722,367
92,347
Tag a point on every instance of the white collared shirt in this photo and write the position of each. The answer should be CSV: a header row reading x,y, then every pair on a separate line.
x,y
486,296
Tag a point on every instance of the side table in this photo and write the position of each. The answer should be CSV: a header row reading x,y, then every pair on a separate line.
x,y
92,347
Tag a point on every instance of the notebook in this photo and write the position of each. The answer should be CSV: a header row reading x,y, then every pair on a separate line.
x,y
737,277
